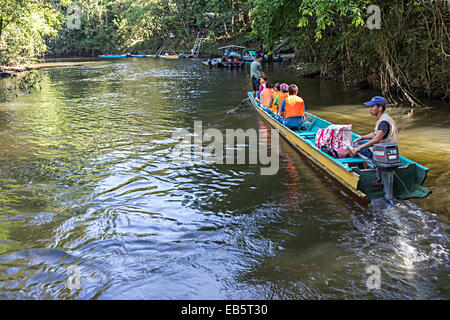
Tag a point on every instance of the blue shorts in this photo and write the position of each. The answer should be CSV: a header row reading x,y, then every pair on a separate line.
x,y
293,122
366,151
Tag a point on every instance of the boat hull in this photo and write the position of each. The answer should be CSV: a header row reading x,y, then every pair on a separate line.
x,y
274,59
170,57
113,56
230,64
211,62
408,178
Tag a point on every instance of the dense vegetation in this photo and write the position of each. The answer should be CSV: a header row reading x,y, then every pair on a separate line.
x,y
406,57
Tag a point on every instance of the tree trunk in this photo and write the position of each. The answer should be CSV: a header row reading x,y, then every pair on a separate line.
x,y
232,16
225,28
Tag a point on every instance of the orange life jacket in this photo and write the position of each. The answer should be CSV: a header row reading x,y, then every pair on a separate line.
x,y
266,94
282,96
274,107
295,107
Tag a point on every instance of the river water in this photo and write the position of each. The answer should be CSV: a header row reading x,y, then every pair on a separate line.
x,y
91,207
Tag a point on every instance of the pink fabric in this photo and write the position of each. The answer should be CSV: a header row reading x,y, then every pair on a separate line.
x,y
335,136
342,153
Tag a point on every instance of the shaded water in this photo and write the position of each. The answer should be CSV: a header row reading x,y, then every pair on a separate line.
x,y
87,189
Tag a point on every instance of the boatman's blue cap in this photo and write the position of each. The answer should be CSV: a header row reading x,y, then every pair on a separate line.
x,y
376,100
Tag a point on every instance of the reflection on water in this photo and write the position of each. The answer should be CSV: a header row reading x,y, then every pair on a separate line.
x,y
87,191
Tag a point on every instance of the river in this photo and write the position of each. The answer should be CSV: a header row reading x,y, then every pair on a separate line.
x,y
91,207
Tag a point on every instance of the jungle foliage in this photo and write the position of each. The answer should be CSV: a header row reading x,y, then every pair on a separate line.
x,y
406,57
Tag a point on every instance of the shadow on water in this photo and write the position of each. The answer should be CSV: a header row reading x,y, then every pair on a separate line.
x,y
89,197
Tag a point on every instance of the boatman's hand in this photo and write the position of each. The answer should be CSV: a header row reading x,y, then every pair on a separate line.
x,y
353,151
357,140
356,149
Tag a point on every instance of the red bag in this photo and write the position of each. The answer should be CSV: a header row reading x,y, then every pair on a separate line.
x,y
336,153
341,153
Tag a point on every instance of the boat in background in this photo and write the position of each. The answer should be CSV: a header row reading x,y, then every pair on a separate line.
x,y
232,59
350,172
171,56
113,56
250,55
271,58
212,62
123,56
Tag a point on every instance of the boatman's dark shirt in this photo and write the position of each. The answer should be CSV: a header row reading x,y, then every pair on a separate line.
x,y
384,126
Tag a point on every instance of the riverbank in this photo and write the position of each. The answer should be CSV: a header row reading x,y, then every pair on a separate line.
x,y
324,71
6,72
18,80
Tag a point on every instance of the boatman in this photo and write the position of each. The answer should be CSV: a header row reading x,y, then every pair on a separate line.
x,y
293,109
256,74
385,131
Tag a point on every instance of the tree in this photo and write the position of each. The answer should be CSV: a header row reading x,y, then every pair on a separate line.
x,y
23,26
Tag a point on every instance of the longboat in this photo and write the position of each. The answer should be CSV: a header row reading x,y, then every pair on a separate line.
x,y
231,59
250,56
212,62
113,56
170,56
349,172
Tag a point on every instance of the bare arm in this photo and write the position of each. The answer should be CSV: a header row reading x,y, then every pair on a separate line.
x,y
374,140
364,137
271,101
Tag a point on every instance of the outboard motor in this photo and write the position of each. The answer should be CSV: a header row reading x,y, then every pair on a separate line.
x,y
386,158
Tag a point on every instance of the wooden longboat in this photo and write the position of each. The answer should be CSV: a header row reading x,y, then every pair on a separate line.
x,y
169,56
350,172
113,56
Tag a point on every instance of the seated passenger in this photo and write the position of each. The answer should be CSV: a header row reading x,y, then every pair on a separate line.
x,y
266,94
262,85
276,89
279,96
293,109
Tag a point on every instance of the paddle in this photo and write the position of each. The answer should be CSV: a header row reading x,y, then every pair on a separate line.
x,y
251,56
